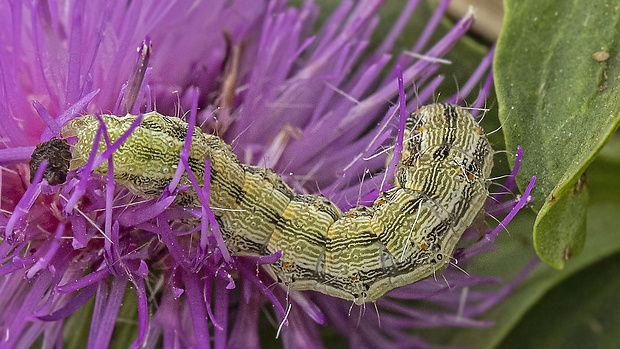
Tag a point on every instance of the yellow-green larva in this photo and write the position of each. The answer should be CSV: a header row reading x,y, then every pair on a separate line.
x,y
408,234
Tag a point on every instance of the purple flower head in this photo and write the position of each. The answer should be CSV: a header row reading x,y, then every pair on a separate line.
x,y
253,73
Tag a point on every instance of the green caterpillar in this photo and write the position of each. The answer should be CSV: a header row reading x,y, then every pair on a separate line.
x,y
408,234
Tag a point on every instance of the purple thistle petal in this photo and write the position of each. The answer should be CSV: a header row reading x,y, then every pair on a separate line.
x,y
76,303
78,226
309,307
252,277
68,114
474,79
207,292
100,298
201,249
165,323
119,99
24,205
73,72
111,253
83,282
15,265
143,320
244,333
300,333
221,315
431,25
194,295
199,191
18,155
138,81
106,155
52,125
101,327
145,213
524,200
84,175
398,146
162,228
511,183
388,42
496,297
44,261
484,93
438,50
109,197
29,305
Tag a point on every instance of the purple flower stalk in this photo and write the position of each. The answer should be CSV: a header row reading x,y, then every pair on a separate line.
x,y
252,72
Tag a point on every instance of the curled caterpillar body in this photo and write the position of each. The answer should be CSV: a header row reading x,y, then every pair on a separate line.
x,y
408,234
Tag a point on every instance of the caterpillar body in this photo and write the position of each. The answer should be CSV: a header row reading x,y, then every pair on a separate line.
x,y
408,234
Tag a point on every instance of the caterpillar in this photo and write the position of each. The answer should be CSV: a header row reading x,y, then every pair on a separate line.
x,y
408,234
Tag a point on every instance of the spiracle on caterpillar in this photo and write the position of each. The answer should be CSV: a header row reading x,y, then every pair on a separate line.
x,y
408,234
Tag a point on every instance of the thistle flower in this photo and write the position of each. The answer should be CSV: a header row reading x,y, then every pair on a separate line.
x,y
284,99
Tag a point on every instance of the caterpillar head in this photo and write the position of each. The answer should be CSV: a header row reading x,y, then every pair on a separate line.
x,y
58,155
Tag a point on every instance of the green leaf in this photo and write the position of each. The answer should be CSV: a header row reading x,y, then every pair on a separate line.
x,y
579,313
560,101
560,230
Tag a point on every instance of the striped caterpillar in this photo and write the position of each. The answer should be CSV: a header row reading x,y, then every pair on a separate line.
x,y
408,234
